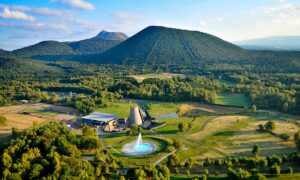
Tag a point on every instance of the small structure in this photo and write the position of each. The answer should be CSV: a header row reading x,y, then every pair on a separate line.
x,y
135,117
24,101
108,122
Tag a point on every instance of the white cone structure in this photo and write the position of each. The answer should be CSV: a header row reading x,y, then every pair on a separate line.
x,y
135,117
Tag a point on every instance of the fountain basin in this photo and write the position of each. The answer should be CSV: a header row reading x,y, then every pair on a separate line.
x,y
132,149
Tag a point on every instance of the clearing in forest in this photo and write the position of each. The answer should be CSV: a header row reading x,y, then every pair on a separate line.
x,y
233,99
142,77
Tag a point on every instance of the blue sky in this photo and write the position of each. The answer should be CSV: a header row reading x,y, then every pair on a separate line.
x,y
25,22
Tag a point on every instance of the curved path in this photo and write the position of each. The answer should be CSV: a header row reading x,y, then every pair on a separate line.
x,y
164,157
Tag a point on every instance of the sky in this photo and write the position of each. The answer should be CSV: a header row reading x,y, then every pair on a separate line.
x,y
26,22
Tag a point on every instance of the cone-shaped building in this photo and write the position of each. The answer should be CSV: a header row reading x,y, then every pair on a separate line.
x,y
135,117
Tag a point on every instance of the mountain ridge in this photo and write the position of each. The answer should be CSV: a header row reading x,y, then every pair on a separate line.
x,y
158,44
51,47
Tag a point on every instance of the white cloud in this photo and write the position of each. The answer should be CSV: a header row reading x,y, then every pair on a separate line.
x,y
285,9
38,27
280,19
81,4
41,10
210,21
124,21
9,14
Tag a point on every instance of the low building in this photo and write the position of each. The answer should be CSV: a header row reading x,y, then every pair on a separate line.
x,y
108,122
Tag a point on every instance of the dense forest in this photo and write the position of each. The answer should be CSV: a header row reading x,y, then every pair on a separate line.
x,y
33,81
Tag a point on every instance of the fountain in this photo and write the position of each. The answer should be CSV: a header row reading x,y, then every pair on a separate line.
x,y
138,147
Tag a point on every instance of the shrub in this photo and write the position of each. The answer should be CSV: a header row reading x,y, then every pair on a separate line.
x,y
239,174
187,172
284,136
184,109
206,172
177,143
287,171
297,139
258,177
271,126
261,127
275,170
3,121
256,150
176,170
182,127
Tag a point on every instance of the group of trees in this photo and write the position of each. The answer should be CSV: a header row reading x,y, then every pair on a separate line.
x,y
149,172
246,167
269,126
53,151
275,91
176,89
266,91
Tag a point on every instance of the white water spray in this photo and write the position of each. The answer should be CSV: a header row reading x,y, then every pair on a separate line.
x,y
139,141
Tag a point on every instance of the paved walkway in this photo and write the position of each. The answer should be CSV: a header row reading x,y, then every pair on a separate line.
x,y
114,149
164,157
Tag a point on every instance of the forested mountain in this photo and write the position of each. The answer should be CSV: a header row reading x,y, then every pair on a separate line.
x,y
93,45
3,52
13,67
157,45
103,41
43,48
161,45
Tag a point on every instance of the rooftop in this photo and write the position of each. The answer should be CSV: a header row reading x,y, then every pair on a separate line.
x,y
104,117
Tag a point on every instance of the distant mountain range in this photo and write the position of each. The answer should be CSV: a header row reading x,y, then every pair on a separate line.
x,y
156,45
283,43
103,41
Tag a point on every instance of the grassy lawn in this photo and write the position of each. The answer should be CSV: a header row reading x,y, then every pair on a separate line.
x,y
178,177
121,109
120,141
41,112
159,108
213,136
233,100
142,77
287,176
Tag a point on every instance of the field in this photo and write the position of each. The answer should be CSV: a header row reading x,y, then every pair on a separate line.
x,y
222,131
121,109
142,77
159,108
233,100
35,114
215,131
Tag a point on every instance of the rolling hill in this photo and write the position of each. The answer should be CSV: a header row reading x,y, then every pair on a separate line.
x,y
43,48
3,52
161,45
103,41
13,66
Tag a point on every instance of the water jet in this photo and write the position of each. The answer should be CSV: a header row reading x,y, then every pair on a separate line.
x,y
139,147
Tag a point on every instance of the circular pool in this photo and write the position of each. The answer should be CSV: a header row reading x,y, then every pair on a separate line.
x,y
134,149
